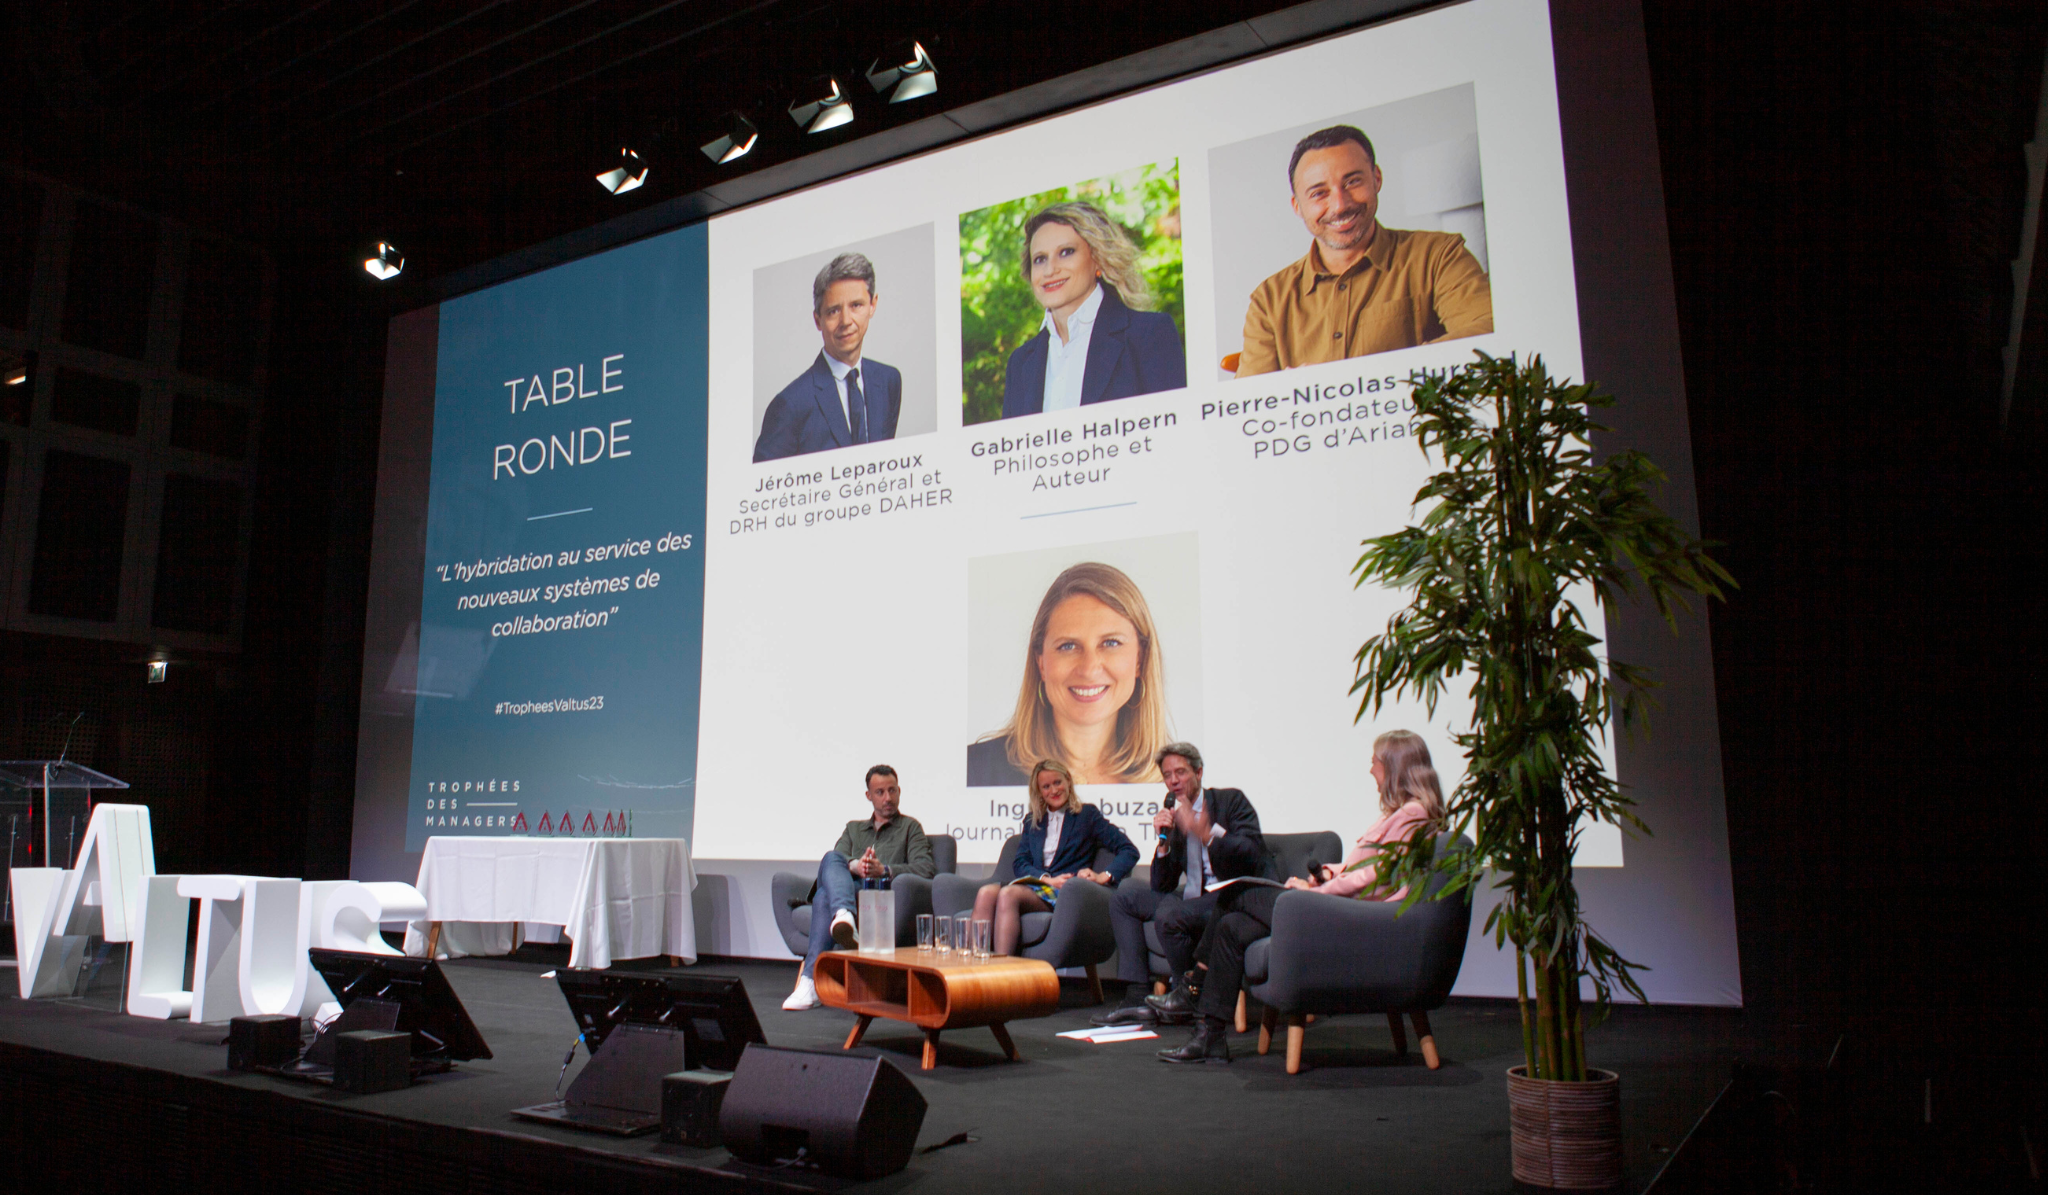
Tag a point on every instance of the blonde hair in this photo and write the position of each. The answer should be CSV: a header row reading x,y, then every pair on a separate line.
x,y
1141,723
1419,785
1038,806
1115,255
1400,752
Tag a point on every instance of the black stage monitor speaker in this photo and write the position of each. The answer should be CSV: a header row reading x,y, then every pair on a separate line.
x,y
849,1114
262,1041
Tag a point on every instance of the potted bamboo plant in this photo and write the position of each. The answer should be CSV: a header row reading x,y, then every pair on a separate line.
x,y
1522,525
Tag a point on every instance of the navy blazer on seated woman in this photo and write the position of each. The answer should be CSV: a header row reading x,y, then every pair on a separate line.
x,y
1129,353
1084,832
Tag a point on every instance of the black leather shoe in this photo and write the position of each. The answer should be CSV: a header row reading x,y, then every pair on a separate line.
x,y
1206,1044
1130,1014
1176,1007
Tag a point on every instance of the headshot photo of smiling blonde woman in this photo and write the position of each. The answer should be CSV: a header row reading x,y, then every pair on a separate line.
x,y
1092,691
1072,296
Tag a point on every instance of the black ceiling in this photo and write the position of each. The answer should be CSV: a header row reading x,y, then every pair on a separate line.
x,y
469,129
473,127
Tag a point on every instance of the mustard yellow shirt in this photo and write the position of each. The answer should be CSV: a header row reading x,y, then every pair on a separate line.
x,y
1410,288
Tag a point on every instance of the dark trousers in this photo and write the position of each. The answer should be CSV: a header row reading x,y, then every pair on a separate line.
x,y
1244,918
1180,923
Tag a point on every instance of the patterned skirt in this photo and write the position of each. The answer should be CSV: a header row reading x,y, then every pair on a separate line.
x,y
1043,891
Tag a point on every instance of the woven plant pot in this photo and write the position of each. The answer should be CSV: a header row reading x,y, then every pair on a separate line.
x,y
1566,1135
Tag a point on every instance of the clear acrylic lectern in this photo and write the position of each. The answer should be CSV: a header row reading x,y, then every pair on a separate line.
x,y
64,790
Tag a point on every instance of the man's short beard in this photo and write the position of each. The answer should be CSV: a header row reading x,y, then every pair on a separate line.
x,y
1358,236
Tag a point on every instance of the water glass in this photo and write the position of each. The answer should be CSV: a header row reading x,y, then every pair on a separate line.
x,y
942,934
963,934
984,936
924,933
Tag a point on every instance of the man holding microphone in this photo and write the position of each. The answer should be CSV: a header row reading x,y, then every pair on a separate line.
x,y
871,852
1204,835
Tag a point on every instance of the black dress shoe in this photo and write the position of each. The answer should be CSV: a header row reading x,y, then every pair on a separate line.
x,y
1206,1044
1176,1007
1129,1014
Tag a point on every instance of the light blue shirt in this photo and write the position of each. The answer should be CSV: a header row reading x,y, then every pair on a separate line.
x,y
1198,873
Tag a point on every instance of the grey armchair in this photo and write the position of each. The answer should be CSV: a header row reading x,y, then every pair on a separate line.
x,y
1291,854
790,897
1330,955
1075,934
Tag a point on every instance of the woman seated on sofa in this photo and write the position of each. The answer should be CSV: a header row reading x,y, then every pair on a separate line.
x,y
1057,847
1410,802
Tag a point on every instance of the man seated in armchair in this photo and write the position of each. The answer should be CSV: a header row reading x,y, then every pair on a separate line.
x,y
1205,835
871,852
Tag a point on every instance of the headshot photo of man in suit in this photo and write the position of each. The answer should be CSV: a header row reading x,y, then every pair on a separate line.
x,y
843,399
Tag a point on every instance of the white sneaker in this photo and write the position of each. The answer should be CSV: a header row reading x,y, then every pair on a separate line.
x,y
845,931
804,997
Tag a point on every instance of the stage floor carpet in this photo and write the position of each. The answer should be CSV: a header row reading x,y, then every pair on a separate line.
x,y
97,1100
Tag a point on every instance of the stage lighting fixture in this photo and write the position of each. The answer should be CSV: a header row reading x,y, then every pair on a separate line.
x,y
14,369
821,105
735,139
908,69
387,264
628,174
157,671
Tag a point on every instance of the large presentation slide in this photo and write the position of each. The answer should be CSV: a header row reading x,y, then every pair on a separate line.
x,y
562,609
1059,443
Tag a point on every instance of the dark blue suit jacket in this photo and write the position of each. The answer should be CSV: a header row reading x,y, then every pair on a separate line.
x,y
807,415
1129,353
1083,834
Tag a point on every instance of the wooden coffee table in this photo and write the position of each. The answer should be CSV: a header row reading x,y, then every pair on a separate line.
x,y
936,992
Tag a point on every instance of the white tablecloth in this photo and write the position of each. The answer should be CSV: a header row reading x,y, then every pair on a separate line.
x,y
616,897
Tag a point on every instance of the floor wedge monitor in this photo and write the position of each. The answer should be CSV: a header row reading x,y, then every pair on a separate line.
x,y
851,1115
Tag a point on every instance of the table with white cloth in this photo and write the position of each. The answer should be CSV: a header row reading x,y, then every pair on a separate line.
x,y
614,897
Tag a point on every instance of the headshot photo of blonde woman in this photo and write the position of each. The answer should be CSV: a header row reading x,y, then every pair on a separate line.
x,y
1091,690
1072,296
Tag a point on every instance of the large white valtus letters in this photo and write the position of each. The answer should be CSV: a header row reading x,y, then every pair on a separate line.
x,y
253,930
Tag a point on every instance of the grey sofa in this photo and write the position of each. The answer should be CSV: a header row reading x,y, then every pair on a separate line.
x,y
1291,854
1330,955
790,897
1075,934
